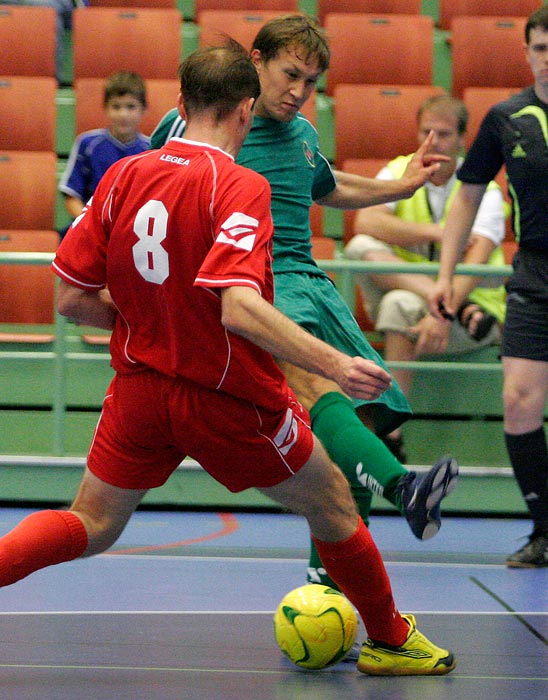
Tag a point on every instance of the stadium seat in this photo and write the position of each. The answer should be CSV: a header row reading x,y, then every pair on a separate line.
x,y
27,291
405,7
172,4
241,25
247,5
316,219
449,9
28,110
381,49
89,110
377,121
143,40
28,185
323,247
28,39
488,51
478,101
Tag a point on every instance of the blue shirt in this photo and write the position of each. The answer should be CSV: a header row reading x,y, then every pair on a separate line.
x,y
91,156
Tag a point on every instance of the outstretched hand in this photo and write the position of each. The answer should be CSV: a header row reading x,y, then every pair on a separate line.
x,y
363,379
423,165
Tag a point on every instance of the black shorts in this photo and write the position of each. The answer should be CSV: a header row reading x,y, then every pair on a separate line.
x,y
525,332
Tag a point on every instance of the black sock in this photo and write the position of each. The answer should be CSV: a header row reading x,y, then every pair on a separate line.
x,y
529,458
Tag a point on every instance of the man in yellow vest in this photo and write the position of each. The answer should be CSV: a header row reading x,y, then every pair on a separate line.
x,y
411,230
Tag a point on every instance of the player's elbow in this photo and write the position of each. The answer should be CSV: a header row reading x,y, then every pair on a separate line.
x,y
68,300
234,309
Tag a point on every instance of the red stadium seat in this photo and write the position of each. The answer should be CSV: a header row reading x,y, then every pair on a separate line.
x,y
449,9
27,291
247,5
380,49
377,121
28,183
241,25
28,109
142,40
488,51
382,7
28,40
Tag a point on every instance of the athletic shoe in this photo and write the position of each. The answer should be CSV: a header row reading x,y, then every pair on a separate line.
x,y
421,496
416,657
533,555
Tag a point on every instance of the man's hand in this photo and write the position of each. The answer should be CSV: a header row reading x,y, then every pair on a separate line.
x,y
362,379
440,300
422,165
432,335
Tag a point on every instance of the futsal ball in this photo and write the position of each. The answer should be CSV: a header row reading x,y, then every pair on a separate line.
x,y
315,626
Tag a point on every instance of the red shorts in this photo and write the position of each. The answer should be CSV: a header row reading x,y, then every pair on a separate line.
x,y
151,422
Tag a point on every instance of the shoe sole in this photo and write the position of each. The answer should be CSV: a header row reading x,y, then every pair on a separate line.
x,y
443,483
438,671
520,565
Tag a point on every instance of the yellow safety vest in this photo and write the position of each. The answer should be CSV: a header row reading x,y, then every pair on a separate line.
x,y
416,208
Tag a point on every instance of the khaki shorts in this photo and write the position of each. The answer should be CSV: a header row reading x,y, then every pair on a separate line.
x,y
398,310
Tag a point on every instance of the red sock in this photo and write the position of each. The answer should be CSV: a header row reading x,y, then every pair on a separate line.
x,y
357,567
41,539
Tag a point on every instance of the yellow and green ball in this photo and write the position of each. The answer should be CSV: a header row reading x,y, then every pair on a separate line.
x,y
315,626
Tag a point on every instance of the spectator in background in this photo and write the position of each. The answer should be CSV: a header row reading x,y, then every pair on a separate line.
x,y
411,230
513,134
95,151
63,9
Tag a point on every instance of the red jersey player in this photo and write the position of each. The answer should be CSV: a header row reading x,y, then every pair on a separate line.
x,y
181,239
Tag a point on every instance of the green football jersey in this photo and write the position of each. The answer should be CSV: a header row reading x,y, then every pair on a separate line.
x,y
287,154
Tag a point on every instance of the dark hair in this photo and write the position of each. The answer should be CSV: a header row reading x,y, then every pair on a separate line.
x,y
293,32
448,104
539,19
122,83
218,77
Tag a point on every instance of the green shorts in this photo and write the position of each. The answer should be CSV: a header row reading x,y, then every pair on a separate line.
x,y
314,303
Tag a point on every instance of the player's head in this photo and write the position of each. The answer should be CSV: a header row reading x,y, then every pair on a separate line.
x,y
447,118
536,48
124,100
215,79
290,53
538,20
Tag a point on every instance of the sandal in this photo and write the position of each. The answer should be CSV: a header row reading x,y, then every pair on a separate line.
x,y
466,313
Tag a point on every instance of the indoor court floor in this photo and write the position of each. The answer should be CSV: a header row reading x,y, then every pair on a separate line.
x,y
182,608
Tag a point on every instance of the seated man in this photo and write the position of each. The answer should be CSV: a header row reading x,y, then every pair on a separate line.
x,y
411,230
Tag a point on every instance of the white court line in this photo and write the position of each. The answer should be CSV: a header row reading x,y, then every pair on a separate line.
x,y
486,613
276,560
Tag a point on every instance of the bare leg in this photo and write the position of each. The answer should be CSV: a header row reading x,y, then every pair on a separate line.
x,y
94,522
104,511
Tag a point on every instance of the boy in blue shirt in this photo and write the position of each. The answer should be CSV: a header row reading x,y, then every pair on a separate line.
x,y
95,151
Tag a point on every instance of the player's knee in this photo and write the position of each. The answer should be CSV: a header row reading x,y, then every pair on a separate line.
x,y
102,533
335,500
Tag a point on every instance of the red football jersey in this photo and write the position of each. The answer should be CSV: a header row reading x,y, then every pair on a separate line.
x,y
164,231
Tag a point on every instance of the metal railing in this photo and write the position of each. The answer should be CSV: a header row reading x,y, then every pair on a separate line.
x,y
343,268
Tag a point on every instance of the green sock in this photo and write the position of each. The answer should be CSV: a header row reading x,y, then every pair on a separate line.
x,y
360,454
349,444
